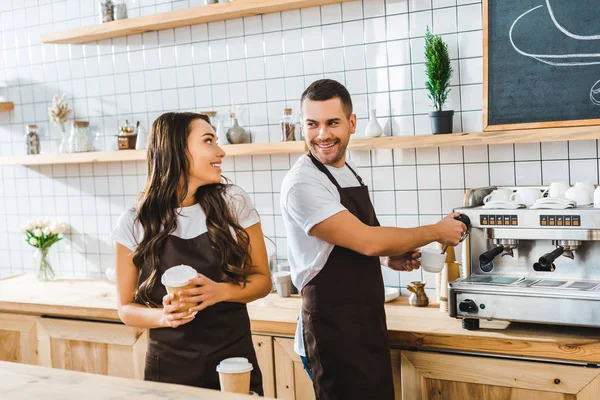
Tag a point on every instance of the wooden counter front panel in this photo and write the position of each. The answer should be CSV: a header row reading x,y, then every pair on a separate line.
x,y
434,376
18,339
95,347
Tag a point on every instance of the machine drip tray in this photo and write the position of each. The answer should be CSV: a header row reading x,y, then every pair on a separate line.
x,y
478,279
583,285
548,283
504,280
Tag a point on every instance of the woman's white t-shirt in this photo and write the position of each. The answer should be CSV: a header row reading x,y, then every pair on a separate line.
x,y
191,221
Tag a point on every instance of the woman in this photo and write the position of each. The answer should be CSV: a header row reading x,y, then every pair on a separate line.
x,y
186,215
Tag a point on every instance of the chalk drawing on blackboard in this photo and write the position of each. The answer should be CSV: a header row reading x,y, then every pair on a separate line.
x,y
562,60
595,94
565,30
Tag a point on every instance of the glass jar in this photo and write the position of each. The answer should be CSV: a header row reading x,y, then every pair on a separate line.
x,y
79,141
212,115
32,139
288,127
107,11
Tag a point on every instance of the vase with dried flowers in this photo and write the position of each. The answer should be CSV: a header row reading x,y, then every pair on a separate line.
x,y
59,113
236,134
42,234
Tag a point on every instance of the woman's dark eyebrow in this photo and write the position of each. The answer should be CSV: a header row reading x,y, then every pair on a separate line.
x,y
209,134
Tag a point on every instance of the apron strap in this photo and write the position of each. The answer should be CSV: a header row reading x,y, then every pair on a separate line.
x,y
324,170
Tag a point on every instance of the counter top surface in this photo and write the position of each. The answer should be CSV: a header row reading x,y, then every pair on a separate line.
x,y
407,326
26,382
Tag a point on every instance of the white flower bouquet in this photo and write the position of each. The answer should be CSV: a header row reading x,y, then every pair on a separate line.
x,y
42,234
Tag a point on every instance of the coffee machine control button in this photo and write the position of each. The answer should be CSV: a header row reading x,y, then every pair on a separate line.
x,y
467,305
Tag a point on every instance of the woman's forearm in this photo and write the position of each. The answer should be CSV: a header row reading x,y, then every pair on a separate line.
x,y
258,286
140,316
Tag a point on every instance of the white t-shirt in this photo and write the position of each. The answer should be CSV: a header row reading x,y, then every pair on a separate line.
x,y
191,221
308,197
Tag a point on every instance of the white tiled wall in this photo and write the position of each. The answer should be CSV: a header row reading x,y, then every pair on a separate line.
x,y
262,63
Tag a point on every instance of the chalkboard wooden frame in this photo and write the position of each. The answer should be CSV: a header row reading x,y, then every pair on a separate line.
x,y
505,127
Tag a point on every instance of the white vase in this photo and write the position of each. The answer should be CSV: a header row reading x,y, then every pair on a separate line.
x,y
373,128
221,133
64,142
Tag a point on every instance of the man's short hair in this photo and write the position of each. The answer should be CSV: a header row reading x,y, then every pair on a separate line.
x,y
327,89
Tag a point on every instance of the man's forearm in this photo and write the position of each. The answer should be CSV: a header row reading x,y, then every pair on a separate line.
x,y
386,241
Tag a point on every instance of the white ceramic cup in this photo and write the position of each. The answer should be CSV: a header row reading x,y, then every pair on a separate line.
x,y
557,189
526,195
597,198
432,260
501,194
589,186
579,195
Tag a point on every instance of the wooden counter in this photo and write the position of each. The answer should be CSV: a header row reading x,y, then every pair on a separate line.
x,y
408,327
20,381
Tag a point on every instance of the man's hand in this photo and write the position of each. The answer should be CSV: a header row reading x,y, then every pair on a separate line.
x,y
449,230
404,262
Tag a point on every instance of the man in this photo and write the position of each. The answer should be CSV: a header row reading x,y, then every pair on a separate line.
x,y
335,249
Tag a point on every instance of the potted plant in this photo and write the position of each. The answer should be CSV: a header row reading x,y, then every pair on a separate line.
x,y
439,73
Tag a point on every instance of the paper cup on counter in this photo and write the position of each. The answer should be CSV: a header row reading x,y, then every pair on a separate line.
x,y
234,375
283,283
176,278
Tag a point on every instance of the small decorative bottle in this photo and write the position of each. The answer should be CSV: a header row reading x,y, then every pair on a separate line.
x,y
32,139
373,128
288,127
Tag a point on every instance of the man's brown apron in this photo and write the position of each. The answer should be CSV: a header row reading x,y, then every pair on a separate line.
x,y
190,353
343,316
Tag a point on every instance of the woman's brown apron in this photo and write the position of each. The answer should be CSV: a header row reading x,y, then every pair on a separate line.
x,y
190,353
343,316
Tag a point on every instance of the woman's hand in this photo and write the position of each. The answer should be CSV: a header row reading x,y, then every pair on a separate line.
x,y
173,314
206,294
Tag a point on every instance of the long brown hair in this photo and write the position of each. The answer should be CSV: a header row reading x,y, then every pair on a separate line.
x,y
163,194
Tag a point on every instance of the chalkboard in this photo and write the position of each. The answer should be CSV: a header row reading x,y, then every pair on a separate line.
x,y
541,63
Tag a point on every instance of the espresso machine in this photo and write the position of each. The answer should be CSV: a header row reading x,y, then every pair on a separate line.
x,y
528,265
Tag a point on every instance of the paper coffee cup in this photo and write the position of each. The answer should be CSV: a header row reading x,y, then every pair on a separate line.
x,y
176,279
234,375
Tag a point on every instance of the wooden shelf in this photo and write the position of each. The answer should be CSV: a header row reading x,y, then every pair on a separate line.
x,y
75,158
255,149
386,142
140,155
477,138
179,18
7,106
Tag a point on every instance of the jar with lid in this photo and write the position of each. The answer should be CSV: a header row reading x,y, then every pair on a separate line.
x,y
32,139
288,127
79,141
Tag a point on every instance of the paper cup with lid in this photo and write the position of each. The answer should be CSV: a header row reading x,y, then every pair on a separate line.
x,y
234,375
176,279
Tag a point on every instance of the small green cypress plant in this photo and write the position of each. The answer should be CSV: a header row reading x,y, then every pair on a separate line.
x,y
439,70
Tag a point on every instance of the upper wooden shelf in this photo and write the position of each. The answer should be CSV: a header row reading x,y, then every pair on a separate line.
x,y
140,155
478,138
7,106
386,142
179,18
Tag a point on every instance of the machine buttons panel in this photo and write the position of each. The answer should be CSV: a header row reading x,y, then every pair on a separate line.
x,y
560,220
500,220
